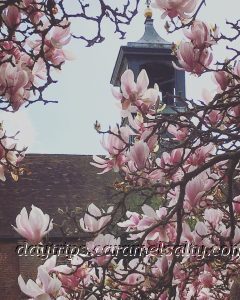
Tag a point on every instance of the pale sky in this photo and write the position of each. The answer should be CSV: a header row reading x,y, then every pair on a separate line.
x,y
84,90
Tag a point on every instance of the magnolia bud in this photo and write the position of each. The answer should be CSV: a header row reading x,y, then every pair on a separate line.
x,y
97,126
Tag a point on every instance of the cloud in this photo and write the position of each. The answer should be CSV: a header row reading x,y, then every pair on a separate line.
x,y
19,121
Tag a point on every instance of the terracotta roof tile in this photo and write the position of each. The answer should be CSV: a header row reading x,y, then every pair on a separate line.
x,y
56,181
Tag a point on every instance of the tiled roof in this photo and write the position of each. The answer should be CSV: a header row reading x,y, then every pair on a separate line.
x,y
56,181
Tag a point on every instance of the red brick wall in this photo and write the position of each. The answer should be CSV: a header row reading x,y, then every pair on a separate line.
x,y
28,267
11,265
9,271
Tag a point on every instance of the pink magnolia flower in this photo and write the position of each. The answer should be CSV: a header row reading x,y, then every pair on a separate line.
x,y
47,288
161,266
131,90
135,93
236,239
159,234
222,79
213,217
201,155
174,8
168,160
200,235
33,10
152,214
64,273
226,233
11,16
55,55
163,296
108,164
237,68
130,170
156,176
235,111
12,156
14,82
39,71
50,266
199,34
132,222
180,133
213,117
234,114
34,227
204,294
94,220
139,154
208,95
186,234
130,277
117,141
137,123
179,273
102,248
50,263
31,289
70,281
148,100
8,154
60,36
207,279
150,138
192,59
140,223
9,48
53,44
50,284
196,189
144,130
236,204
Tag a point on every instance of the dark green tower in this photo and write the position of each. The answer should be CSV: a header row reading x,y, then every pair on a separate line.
x,y
153,54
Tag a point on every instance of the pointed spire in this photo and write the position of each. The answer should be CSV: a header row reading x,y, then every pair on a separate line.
x,y
150,38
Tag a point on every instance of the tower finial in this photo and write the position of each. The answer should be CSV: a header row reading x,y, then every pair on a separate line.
x,y
148,10
148,2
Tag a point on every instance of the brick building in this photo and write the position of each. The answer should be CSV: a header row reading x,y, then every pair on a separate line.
x,y
56,181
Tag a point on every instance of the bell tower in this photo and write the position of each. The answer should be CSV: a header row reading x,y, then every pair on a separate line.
x,y
152,53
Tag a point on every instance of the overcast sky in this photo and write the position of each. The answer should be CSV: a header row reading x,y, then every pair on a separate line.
x,y
84,90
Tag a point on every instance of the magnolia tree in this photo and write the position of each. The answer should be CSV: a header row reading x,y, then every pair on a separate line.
x,y
33,39
183,169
